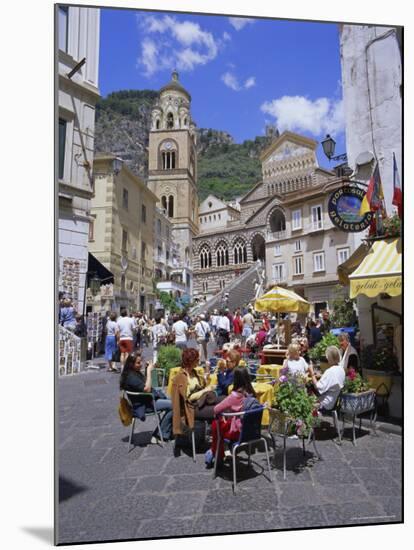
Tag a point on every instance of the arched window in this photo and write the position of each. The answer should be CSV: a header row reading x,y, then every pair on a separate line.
x,y
170,121
277,221
240,252
185,121
205,257
170,206
164,203
157,124
168,158
222,255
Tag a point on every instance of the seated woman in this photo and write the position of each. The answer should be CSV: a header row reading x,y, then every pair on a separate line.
x,y
133,379
332,381
226,369
230,428
294,362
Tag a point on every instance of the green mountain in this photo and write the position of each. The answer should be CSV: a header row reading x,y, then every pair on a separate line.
x,y
225,168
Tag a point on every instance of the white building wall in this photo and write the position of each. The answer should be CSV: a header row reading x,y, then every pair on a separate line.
x,y
76,105
371,80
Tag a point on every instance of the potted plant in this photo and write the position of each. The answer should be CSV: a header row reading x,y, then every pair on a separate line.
x,y
293,406
357,396
378,367
169,357
391,226
317,353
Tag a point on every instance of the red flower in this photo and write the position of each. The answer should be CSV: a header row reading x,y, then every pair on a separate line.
x,y
315,412
352,374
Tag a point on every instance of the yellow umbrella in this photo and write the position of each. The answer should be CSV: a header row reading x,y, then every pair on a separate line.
x,y
281,300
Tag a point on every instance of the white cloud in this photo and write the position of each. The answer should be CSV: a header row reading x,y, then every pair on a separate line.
x,y
298,113
250,82
184,45
239,22
231,81
226,36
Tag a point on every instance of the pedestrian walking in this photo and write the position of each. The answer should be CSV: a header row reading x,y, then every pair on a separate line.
x,y
248,325
202,330
126,328
223,329
111,341
159,337
180,330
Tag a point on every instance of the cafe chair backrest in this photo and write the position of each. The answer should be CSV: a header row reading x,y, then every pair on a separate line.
x,y
251,425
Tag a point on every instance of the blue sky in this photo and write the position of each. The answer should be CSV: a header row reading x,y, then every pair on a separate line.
x,y
241,73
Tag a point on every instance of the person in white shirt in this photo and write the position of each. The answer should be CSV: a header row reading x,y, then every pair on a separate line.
x,y
180,330
213,320
294,362
248,325
159,336
126,328
332,381
223,329
202,329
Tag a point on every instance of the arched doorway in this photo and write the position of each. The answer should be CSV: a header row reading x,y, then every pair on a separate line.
x,y
258,248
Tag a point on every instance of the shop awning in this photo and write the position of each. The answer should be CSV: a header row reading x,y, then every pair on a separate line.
x,y
97,268
380,271
344,270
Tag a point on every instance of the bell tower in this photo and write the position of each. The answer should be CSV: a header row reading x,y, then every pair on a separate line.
x,y
172,170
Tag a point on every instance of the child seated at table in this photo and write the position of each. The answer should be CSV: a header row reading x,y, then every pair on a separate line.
x,y
294,362
225,371
230,427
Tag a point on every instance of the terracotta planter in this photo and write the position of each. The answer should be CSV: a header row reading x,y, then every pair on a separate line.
x,y
380,381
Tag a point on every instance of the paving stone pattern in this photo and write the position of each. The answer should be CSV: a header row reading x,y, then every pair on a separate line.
x,y
108,494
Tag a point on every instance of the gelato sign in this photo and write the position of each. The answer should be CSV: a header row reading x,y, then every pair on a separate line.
x,y
343,207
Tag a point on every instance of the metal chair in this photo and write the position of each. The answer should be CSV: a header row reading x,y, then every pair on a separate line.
x,y
280,425
150,410
249,435
176,447
334,414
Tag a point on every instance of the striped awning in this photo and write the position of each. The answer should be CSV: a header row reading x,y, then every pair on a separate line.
x,y
380,271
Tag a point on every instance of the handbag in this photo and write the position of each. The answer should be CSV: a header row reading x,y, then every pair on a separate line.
x,y
125,411
208,398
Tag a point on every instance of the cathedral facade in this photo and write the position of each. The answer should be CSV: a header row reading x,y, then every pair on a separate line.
x,y
282,221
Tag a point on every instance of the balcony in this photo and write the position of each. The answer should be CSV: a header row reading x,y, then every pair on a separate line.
x,y
315,226
276,235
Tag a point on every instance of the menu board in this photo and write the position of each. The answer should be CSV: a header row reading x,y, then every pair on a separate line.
x,y
69,352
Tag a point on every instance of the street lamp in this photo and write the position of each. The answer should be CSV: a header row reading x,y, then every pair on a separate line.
x,y
95,284
328,145
117,165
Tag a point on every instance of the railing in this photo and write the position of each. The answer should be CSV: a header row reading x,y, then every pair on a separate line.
x,y
316,226
277,235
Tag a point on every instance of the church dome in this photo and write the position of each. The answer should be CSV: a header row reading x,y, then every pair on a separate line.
x,y
174,84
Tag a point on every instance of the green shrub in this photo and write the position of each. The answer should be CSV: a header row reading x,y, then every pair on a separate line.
x,y
169,357
318,351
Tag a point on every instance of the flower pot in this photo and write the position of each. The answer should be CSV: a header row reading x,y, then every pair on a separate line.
x,y
380,381
357,403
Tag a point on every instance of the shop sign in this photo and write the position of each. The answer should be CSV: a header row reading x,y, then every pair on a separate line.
x,y
343,207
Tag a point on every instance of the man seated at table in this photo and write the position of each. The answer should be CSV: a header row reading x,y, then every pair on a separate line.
x,y
225,371
332,381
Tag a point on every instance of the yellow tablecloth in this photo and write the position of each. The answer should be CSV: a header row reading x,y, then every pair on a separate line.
x,y
173,373
273,370
264,394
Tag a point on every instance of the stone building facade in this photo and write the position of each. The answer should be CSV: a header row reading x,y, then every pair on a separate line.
x,y
172,170
283,221
77,38
121,233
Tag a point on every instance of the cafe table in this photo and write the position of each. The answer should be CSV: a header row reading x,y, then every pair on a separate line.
x,y
271,370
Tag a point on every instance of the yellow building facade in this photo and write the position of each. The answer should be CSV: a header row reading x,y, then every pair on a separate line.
x,y
121,234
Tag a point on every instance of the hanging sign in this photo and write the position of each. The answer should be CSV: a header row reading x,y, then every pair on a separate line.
x,y
343,207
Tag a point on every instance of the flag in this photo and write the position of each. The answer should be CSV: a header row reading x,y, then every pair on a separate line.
x,y
374,197
397,197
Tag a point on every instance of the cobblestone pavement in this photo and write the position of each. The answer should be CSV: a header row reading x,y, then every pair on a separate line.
x,y
107,493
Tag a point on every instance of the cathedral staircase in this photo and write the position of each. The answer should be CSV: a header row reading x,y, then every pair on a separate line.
x,y
241,291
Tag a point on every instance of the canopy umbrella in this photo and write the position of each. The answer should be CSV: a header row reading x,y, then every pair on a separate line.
x,y
281,300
